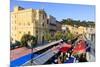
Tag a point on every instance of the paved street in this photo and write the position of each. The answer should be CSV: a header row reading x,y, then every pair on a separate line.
x,y
17,53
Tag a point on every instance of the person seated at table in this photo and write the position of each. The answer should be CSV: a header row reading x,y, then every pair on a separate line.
x,y
59,60
83,58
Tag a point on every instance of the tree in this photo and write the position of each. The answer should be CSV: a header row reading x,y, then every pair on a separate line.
x,y
58,35
67,21
78,22
32,40
26,39
47,37
69,36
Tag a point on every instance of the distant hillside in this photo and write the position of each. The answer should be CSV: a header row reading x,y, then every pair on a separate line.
x,y
78,23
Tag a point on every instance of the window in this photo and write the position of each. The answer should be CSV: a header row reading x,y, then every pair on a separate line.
x,y
29,32
43,24
44,15
15,35
36,32
33,21
47,21
15,16
15,21
15,28
24,32
11,17
19,23
28,24
19,32
24,24
90,29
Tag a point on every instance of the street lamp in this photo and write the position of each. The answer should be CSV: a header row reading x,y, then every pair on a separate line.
x,y
31,46
31,54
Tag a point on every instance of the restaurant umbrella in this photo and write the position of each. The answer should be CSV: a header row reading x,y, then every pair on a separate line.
x,y
65,47
79,48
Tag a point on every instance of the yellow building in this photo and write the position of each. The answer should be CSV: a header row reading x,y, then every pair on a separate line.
x,y
75,30
69,27
25,21
81,30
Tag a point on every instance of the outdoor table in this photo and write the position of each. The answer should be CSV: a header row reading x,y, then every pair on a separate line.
x,y
70,60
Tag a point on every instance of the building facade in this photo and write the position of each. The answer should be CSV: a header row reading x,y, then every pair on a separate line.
x,y
91,34
52,25
75,30
59,26
24,21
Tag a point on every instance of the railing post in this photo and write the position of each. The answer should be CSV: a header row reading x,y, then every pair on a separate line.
x,y
31,55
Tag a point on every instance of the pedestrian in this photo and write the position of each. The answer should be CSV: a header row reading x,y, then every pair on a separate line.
x,y
82,58
59,60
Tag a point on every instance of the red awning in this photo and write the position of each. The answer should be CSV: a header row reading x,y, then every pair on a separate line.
x,y
80,48
65,47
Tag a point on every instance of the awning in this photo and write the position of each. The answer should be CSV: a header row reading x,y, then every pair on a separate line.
x,y
80,48
65,47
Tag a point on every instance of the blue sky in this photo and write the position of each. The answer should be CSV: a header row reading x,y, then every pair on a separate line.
x,y
60,11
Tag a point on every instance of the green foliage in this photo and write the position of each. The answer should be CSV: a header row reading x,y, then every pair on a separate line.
x,y
24,40
27,37
47,37
58,35
69,36
34,40
65,36
78,22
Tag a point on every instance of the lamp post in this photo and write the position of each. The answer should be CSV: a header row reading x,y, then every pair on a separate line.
x,y
31,46
31,54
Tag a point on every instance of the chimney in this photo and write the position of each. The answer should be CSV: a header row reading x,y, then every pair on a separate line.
x,y
17,8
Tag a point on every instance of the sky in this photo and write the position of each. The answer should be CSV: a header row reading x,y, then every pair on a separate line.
x,y
60,11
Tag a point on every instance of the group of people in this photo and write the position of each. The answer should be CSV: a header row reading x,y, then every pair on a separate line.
x,y
66,52
79,51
